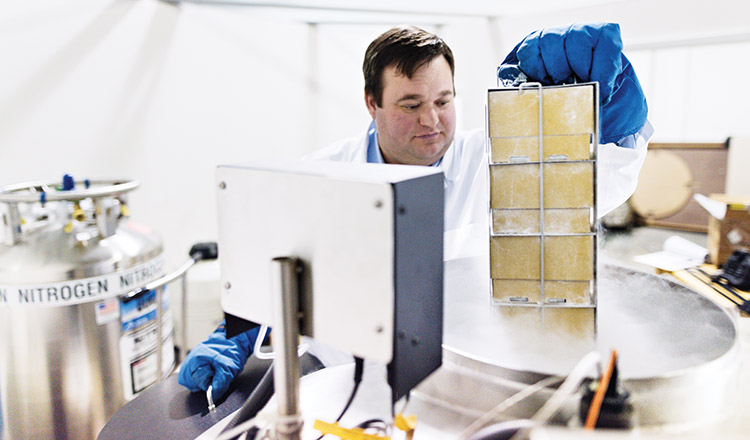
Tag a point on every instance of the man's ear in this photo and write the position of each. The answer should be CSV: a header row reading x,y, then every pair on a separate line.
x,y
370,103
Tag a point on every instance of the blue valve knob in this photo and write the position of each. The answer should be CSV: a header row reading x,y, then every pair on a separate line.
x,y
68,183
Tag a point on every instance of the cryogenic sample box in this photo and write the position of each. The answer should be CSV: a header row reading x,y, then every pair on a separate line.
x,y
542,174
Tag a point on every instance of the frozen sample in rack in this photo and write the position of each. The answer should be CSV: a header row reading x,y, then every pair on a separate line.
x,y
534,323
572,292
568,257
517,291
514,186
572,220
566,185
571,320
556,221
565,110
515,221
526,149
561,293
514,257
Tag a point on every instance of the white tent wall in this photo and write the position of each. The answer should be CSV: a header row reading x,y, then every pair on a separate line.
x,y
163,93
147,90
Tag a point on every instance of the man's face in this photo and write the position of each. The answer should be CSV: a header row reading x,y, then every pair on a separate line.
x,y
417,119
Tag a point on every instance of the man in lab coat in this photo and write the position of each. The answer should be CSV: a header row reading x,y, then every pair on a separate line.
x,y
409,93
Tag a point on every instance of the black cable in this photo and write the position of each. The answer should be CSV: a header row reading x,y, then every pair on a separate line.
x,y
721,280
254,402
359,368
738,300
743,304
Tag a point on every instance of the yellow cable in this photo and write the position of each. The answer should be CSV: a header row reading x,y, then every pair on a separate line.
x,y
407,424
346,433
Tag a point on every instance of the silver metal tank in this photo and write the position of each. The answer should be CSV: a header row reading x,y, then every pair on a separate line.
x,y
79,339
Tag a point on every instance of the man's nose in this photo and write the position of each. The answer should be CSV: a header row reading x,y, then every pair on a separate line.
x,y
429,117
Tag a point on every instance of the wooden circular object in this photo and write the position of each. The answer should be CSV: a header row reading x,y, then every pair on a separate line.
x,y
665,185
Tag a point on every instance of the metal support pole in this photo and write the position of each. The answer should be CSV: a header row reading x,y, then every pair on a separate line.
x,y
183,320
159,351
284,341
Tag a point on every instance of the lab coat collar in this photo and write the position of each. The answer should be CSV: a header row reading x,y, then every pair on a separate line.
x,y
448,163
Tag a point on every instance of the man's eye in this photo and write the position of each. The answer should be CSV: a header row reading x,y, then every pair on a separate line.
x,y
410,106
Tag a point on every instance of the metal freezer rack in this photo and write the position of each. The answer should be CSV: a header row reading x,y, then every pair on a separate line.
x,y
542,145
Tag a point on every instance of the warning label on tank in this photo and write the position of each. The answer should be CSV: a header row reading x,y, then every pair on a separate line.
x,y
139,343
140,359
138,311
83,289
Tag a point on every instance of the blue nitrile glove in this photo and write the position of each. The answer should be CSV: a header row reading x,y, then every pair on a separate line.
x,y
585,52
216,361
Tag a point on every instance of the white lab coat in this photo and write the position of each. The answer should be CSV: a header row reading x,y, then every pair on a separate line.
x,y
467,190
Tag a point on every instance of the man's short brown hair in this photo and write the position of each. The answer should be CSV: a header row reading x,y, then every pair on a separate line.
x,y
407,49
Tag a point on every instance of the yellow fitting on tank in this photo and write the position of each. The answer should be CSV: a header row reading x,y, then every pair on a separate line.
x,y
78,213
124,210
68,227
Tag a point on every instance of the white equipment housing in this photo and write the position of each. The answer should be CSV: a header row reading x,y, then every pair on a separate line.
x,y
370,239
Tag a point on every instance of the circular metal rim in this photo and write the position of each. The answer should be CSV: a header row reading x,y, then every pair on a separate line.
x,y
107,187
660,399
464,358
468,360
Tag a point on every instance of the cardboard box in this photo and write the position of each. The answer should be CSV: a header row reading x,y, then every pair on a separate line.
x,y
730,233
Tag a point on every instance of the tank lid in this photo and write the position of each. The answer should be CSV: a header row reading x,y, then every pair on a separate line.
x,y
50,190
